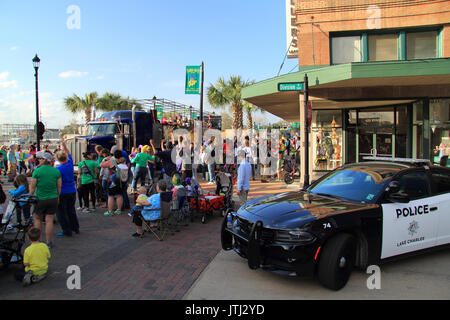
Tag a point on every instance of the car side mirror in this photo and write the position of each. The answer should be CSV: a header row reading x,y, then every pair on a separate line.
x,y
398,197
393,187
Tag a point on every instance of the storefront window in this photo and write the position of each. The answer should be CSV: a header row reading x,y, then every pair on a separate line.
x,y
421,45
346,49
440,128
327,139
383,47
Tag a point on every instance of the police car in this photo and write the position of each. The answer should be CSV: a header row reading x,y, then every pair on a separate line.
x,y
357,215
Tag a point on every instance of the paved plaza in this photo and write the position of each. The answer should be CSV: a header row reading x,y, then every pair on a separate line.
x,y
115,265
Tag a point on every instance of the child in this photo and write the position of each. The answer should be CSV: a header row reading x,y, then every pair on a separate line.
x,y
35,260
122,166
21,185
142,196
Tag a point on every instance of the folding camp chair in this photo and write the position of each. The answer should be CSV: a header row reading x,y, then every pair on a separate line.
x,y
180,210
160,227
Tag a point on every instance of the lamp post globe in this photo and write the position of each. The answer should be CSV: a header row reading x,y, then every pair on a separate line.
x,y
36,63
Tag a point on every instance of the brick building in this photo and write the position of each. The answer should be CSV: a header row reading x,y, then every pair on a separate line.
x,y
379,80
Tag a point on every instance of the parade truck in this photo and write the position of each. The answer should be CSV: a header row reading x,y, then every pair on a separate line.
x,y
132,128
124,128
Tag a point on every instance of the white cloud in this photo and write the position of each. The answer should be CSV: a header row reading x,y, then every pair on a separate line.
x,y
7,84
4,75
73,74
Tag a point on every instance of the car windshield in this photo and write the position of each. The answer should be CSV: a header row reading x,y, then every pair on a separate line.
x,y
353,184
102,129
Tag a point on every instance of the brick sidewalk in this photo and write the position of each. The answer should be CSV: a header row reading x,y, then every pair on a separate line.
x,y
115,265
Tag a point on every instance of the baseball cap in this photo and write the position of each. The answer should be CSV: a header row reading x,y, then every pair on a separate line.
x,y
44,155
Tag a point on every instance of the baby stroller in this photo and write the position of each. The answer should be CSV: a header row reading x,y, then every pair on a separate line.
x,y
12,235
291,171
207,204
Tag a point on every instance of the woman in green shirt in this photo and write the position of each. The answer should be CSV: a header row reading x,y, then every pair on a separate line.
x,y
46,182
141,160
87,175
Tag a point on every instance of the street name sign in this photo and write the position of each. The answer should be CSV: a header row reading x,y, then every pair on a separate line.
x,y
290,86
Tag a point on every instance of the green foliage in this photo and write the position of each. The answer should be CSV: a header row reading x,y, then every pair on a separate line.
x,y
108,102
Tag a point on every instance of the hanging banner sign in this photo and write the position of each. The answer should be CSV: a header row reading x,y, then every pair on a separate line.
x,y
159,112
192,80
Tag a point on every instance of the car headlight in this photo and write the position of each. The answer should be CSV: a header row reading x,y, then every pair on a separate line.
x,y
298,236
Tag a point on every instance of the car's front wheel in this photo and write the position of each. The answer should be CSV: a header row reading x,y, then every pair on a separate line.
x,y
337,261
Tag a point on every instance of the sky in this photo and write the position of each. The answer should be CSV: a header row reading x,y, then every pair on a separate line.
x,y
137,48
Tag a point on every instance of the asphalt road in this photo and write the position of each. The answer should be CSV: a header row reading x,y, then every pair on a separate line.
x,y
425,277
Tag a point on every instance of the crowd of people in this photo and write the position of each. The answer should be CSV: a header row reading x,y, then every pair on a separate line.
x,y
106,178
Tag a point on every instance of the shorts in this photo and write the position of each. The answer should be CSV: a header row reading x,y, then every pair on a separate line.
x,y
46,207
115,191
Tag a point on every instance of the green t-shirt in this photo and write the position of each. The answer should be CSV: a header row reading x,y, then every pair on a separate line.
x,y
88,178
141,159
46,177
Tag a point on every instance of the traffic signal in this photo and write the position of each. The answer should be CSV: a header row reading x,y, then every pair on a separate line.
x,y
40,130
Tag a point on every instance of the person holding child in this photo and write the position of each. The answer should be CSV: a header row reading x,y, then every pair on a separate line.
x,y
115,187
151,208
35,260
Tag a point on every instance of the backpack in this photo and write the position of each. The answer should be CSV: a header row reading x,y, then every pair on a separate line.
x,y
2,195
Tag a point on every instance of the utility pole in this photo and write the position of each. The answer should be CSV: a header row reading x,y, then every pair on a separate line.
x,y
201,92
306,133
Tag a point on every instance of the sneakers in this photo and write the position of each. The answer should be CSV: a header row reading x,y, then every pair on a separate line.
x,y
137,235
27,278
108,213
117,212
85,210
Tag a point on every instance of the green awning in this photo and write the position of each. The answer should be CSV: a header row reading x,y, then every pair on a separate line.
x,y
355,84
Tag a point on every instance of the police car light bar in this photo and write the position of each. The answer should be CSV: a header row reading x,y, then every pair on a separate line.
x,y
417,162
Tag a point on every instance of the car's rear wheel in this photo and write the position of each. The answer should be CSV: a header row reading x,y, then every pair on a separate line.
x,y
337,261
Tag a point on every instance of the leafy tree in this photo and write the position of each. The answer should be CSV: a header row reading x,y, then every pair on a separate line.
x,y
77,104
71,128
227,121
226,93
250,109
108,102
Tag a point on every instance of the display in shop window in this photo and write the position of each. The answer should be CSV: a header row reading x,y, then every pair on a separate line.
x,y
328,146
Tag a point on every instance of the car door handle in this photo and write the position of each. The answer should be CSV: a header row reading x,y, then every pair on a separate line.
x,y
433,209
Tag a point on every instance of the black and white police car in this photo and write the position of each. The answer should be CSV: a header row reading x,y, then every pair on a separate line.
x,y
357,215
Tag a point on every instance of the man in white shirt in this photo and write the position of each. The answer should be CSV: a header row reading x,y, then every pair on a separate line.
x,y
243,177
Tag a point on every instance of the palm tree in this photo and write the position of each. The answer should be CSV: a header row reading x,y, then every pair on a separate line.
x,y
114,101
108,102
249,109
229,92
77,104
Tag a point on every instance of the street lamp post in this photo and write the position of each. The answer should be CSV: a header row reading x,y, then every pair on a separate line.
x,y
36,62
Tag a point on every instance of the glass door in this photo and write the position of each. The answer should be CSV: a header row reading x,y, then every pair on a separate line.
x,y
375,142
